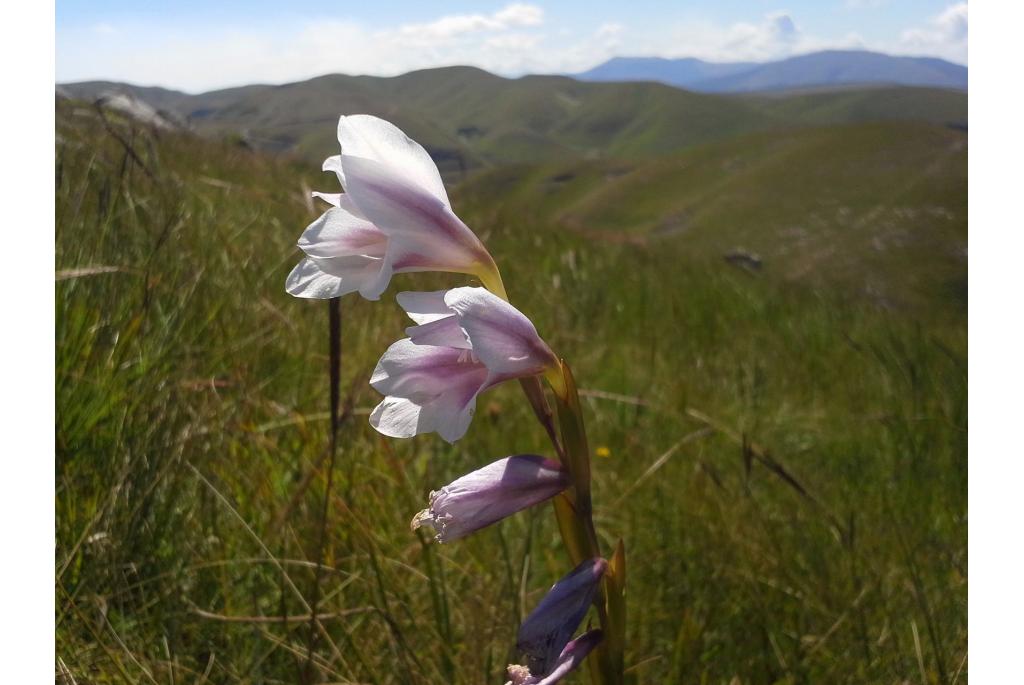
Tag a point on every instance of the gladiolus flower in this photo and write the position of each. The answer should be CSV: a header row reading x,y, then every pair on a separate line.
x,y
571,657
395,217
488,495
466,340
546,631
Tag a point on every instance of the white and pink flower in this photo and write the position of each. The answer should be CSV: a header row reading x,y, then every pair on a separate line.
x,y
466,340
394,217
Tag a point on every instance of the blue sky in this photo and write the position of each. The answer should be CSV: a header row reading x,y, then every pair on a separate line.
x,y
194,46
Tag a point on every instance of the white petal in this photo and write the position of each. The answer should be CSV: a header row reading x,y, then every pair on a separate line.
x,y
442,332
423,372
339,233
502,337
329,198
424,307
309,281
334,164
425,232
396,417
362,135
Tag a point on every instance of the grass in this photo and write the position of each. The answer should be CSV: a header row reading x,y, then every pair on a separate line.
x,y
787,459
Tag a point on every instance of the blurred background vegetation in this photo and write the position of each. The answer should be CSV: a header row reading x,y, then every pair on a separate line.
x,y
767,317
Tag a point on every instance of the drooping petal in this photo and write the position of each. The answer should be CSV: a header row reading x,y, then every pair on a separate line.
x,y
488,495
396,417
546,631
502,337
363,135
324,279
450,413
425,232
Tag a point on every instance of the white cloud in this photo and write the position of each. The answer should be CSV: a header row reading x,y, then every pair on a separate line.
x,y
512,16
520,14
945,35
608,37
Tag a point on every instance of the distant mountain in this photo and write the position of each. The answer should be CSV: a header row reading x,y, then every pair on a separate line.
x,y
830,68
683,73
468,118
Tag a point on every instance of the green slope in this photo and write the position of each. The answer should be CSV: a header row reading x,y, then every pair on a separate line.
x,y
849,105
880,209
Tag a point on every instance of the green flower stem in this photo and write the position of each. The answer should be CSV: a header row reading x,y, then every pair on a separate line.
x,y
574,509
576,523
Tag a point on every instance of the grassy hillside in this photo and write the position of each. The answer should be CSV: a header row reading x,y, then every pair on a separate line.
x,y
787,459
874,209
468,118
853,105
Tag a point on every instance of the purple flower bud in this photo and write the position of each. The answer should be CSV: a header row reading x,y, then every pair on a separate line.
x,y
546,631
571,657
488,495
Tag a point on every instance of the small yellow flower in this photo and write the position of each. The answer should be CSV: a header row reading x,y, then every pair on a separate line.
x,y
603,451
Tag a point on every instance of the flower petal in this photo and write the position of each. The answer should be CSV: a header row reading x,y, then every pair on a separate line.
x,y
502,337
329,198
546,631
334,164
324,278
396,417
424,229
363,135
423,372
443,332
339,233
572,656
307,280
450,413
424,307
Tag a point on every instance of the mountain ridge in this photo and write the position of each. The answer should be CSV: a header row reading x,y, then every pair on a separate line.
x,y
469,118
815,69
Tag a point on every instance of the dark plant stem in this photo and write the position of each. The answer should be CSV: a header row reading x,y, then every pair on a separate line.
x,y
334,324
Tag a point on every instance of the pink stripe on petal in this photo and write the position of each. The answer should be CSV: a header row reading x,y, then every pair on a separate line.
x,y
400,208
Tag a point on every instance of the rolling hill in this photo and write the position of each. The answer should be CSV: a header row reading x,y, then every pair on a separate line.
x,y
468,118
825,69
854,207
